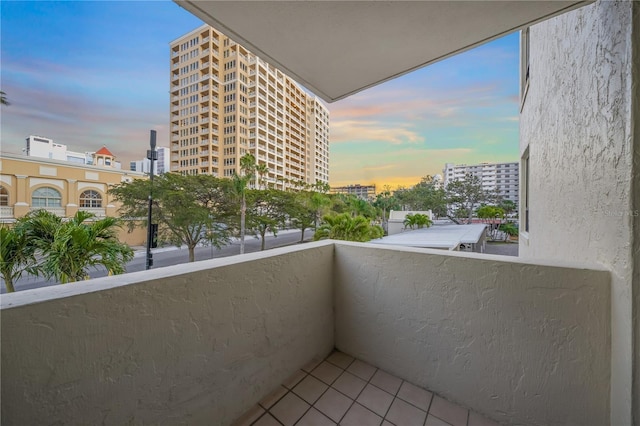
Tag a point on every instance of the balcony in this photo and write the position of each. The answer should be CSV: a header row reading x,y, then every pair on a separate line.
x,y
6,212
517,342
98,211
58,211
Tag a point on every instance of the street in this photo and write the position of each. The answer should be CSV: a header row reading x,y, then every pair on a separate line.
x,y
173,256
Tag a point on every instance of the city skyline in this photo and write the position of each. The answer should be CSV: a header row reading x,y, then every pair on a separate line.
x,y
99,76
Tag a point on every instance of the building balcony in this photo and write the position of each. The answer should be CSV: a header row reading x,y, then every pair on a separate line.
x,y
58,211
202,343
98,211
6,212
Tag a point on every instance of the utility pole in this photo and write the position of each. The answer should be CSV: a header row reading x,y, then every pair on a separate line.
x,y
152,155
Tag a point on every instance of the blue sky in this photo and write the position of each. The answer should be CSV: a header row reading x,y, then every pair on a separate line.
x,y
89,74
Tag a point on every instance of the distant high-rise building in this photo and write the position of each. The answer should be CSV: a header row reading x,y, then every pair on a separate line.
x,y
226,102
161,165
499,177
366,192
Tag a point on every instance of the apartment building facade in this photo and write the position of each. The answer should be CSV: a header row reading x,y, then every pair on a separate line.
x,y
366,192
499,177
226,102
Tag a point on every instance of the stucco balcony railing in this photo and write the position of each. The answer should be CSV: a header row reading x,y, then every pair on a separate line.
x,y
6,212
98,211
58,211
200,343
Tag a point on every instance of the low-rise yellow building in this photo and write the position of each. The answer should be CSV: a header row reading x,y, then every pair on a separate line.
x,y
61,187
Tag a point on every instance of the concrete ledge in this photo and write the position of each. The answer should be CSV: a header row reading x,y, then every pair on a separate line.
x,y
190,344
518,342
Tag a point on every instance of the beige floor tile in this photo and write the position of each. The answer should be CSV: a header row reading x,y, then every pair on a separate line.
x,y
333,404
267,420
310,389
361,369
249,417
375,399
476,419
314,418
340,359
268,401
294,379
404,414
448,411
414,395
311,365
360,416
349,385
386,381
289,409
434,421
327,372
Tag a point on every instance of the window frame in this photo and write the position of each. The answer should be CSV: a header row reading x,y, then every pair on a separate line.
x,y
47,198
95,199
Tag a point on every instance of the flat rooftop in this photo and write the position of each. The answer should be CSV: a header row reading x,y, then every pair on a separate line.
x,y
437,236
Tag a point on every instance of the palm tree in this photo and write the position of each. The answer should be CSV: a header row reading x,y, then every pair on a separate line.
x,y
15,258
262,170
240,183
420,220
347,228
68,249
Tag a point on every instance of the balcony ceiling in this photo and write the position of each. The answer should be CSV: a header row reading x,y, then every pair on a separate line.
x,y
338,48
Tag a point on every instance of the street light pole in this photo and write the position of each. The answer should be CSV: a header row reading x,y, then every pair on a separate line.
x,y
152,155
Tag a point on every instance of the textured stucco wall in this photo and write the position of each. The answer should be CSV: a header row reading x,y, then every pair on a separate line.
x,y
577,121
190,344
520,343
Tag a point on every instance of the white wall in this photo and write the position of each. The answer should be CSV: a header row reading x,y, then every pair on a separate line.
x,y
577,121
189,344
520,343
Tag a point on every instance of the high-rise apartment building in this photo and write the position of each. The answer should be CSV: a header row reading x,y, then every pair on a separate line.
x,y
226,102
499,177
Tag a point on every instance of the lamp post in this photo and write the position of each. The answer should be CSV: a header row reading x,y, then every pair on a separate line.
x,y
152,155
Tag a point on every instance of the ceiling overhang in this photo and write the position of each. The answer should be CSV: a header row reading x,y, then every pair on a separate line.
x,y
338,48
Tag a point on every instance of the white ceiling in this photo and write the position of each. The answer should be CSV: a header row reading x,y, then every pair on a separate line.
x,y
338,48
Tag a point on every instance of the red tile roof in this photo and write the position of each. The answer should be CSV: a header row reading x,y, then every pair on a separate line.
x,y
104,151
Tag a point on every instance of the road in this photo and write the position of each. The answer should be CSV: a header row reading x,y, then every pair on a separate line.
x,y
174,256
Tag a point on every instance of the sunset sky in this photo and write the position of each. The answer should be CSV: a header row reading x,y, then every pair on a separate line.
x,y
88,74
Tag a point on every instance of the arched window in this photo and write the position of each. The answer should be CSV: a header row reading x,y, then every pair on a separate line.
x,y
46,197
4,196
90,198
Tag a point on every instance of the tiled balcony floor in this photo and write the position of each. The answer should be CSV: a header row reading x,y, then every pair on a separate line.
x,y
346,391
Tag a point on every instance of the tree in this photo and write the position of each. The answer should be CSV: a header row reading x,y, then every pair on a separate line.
x,y
306,210
463,195
489,212
385,201
240,183
345,227
266,212
508,206
418,220
262,170
425,195
68,249
3,99
509,229
15,256
190,210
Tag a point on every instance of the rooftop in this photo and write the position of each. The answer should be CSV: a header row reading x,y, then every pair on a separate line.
x,y
437,236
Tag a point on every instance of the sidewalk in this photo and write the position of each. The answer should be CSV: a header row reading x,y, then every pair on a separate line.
x,y
141,251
